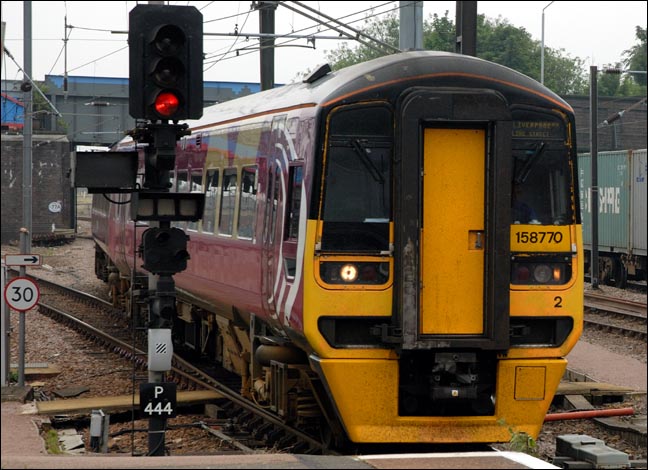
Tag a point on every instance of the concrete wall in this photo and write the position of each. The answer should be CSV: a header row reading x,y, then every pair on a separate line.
x,y
626,133
51,193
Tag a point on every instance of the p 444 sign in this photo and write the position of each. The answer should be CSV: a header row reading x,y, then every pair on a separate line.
x,y
158,400
22,294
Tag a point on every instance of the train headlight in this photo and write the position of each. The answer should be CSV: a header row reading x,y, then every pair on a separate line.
x,y
544,270
354,272
349,273
542,274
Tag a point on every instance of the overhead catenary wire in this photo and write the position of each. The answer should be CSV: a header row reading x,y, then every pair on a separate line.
x,y
339,30
63,48
56,111
231,46
320,24
223,56
357,32
98,59
619,114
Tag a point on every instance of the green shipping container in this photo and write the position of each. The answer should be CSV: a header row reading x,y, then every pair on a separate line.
x,y
622,207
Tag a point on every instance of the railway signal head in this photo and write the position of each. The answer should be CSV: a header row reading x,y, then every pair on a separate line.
x,y
165,62
164,250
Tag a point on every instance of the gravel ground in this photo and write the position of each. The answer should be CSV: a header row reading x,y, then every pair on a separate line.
x,y
83,363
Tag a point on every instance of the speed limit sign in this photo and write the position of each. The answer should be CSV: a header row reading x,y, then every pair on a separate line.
x,y
21,294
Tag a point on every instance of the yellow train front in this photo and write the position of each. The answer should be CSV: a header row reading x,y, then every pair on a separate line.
x,y
442,258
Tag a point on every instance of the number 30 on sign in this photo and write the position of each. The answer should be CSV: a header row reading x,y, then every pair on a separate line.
x,y
22,294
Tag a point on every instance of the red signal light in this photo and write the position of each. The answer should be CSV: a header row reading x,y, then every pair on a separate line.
x,y
166,104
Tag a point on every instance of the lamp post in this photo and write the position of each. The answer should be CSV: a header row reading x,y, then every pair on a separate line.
x,y
542,46
594,194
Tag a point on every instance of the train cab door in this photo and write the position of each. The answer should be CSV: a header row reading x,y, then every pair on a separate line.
x,y
452,203
452,236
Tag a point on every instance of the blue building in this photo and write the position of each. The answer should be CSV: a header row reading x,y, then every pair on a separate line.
x,y
13,114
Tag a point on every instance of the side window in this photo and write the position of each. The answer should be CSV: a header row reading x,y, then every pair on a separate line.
x,y
182,182
211,194
196,181
294,198
228,201
182,186
247,203
172,180
195,186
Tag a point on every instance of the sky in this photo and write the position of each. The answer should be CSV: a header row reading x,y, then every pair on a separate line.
x,y
597,32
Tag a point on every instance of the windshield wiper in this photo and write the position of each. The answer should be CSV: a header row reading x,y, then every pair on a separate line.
x,y
523,174
364,158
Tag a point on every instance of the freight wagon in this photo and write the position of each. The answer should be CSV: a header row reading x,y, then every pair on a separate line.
x,y
621,183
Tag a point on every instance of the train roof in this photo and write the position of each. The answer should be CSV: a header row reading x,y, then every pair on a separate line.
x,y
358,81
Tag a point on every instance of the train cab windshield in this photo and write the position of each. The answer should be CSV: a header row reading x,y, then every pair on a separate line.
x,y
356,209
541,172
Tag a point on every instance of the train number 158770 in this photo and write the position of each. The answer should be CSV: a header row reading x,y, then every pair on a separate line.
x,y
534,239
539,237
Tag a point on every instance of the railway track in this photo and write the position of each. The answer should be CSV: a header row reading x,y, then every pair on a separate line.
x,y
243,425
620,316
249,425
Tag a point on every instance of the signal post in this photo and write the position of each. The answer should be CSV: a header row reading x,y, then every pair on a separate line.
x,y
165,86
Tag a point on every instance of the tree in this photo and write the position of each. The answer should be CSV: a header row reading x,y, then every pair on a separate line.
x,y
500,42
564,74
497,41
636,57
439,34
609,84
632,84
384,30
42,110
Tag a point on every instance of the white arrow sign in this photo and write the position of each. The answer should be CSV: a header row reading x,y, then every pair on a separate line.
x,y
23,260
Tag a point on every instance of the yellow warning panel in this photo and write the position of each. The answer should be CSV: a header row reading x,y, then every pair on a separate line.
x,y
530,383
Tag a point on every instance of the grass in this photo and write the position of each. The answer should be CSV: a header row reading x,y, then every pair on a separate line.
x,y
520,441
52,442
